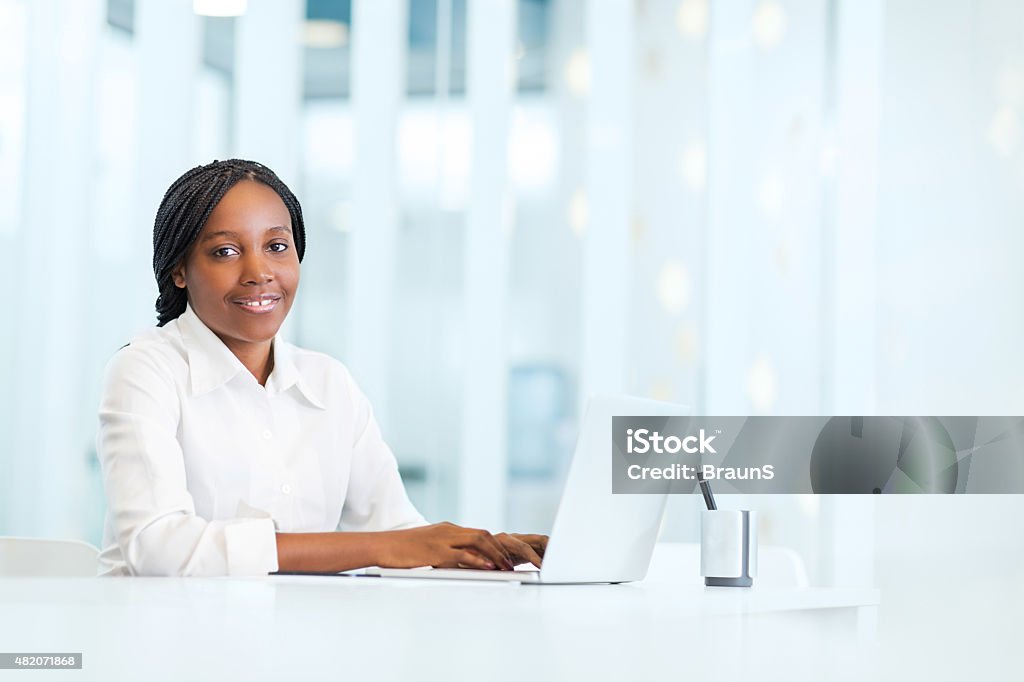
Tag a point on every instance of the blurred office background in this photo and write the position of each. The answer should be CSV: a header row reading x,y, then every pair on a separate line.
x,y
744,206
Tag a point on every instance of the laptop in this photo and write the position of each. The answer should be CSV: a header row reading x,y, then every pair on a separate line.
x,y
597,537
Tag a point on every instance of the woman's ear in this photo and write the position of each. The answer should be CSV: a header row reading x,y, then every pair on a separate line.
x,y
178,275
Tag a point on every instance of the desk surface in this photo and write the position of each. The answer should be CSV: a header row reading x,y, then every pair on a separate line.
x,y
166,628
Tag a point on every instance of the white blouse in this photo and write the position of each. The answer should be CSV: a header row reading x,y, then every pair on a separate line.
x,y
201,464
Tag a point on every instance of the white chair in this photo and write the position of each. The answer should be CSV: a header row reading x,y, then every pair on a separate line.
x,y
36,557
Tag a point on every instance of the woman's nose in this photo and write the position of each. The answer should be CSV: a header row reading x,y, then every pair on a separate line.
x,y
256,269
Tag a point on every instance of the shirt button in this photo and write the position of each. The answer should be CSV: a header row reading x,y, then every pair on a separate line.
x,y
286,489
267,434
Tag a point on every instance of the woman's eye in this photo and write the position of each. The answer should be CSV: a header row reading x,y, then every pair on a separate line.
x,y
284,247
224,252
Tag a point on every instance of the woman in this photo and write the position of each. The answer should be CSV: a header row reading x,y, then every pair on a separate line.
x,y
228,451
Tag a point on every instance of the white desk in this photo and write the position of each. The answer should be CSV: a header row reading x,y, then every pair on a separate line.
x,y
294,627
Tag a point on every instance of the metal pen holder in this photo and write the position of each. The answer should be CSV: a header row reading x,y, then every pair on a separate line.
x,y
728,547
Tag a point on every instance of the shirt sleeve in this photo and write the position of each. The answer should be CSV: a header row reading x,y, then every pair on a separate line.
x,y
376,498
153,515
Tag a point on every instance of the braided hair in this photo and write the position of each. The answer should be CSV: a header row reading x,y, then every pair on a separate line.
x,y
187,206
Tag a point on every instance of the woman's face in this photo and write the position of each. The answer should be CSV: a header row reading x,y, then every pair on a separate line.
x,y
242,272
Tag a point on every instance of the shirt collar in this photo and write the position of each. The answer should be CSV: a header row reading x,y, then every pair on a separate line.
x,y
212,364
286,374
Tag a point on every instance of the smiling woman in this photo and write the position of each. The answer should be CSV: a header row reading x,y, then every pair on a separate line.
x,y
225,449
242,272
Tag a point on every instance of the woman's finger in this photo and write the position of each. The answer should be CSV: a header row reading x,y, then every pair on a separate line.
x,y
465,558
521,551
484,543
539,543
510,564
511,546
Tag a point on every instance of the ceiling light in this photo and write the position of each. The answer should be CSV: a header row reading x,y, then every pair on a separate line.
x,y
578,212
577,73
693,165
674,288
769,24
325,33
692,18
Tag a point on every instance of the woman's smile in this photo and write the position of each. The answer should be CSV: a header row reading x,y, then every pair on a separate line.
x,y
260,304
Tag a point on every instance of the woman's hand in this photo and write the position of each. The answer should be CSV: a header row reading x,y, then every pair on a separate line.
x,y
443,545
523,548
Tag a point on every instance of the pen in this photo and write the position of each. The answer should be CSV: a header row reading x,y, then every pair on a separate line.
x,y
705,489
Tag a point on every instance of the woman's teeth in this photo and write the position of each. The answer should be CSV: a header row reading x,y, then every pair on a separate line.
x,y
262,306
